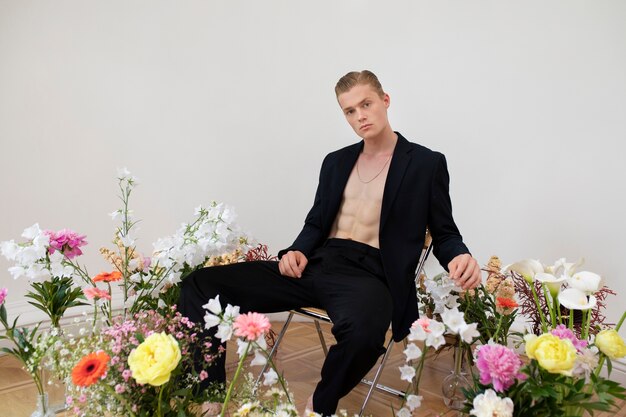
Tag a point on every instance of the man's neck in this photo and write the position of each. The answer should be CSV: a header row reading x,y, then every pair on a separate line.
x,y
381,144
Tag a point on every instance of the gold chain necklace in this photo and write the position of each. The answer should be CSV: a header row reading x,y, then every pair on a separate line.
x,y
375,176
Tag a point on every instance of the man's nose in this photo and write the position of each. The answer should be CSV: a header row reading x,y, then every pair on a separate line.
x,y
360,115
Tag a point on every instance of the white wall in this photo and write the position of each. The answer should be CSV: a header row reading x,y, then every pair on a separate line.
x,y
233,101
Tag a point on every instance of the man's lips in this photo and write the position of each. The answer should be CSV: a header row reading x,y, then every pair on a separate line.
x,y
365,127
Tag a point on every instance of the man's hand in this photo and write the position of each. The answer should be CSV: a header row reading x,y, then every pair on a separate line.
x,y
465,272
292,264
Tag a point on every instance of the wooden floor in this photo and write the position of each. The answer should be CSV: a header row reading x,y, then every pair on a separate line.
x,y
300,358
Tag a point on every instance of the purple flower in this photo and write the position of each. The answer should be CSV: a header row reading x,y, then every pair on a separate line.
x,y
66,241
3,294
499,366
562,332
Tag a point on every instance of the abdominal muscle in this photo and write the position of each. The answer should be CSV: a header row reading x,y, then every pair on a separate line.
x,y
359,214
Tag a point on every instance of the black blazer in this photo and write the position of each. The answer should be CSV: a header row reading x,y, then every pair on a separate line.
x,y
415,195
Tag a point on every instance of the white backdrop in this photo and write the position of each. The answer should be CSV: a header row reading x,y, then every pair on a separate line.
x,y
234,101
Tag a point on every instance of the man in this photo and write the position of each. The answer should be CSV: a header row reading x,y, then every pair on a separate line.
x,y
358,251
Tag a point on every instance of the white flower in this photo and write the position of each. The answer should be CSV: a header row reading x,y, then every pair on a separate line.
x,y
270,377
563,268
586,281
490,405
574,299
242,345
32,232
412,352
224,332
214,305
454,319
231,312
527,268
259,358
414,401
122,173
407,373
9,249
469,332
552,282
417,333
211,320
435,341
403,412
127,241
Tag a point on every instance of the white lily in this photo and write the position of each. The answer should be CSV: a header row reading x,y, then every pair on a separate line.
x,y
561,267
527,268
575,299
586,281
552,282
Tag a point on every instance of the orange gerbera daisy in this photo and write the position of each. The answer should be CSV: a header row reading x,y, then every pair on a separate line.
x,y
90,369
108,276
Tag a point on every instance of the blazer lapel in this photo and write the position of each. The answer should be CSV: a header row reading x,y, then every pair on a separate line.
x,y
399,163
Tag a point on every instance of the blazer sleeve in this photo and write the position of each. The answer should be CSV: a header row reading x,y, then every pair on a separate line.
x,y
447,240
312,234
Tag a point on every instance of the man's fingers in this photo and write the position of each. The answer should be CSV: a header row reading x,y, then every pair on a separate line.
x,y
302,262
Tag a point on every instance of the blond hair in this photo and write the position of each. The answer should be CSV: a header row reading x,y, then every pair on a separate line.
x,y
353,78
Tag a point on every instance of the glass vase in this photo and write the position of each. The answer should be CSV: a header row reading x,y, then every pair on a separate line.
x,y
453,384
42,407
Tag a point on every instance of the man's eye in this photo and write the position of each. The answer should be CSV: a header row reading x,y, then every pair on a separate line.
x,y
349,112
366,105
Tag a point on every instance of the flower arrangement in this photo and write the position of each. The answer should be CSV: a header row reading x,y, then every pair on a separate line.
x,y
564,353
110,360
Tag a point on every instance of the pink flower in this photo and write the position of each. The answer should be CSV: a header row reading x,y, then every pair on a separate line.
x,y
126,374
203,375
499,366
119,388
423,322
3,294
69,400
66,241
562,332
96,293
251,325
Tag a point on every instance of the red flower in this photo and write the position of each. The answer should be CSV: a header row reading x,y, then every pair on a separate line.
x,y
90,369
108,276
506,302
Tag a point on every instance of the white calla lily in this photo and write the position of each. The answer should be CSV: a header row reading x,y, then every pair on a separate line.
x,y
586,281
552,282
527,268
562,267
575,299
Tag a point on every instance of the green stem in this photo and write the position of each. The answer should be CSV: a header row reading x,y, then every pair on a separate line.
x,y
548,304
544,328
619,324
557,309
571,320
159,414
231,387
495,334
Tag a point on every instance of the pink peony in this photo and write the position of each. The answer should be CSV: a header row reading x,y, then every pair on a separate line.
x,y
562,332
96,293
499,366
3,294
251,325
66,241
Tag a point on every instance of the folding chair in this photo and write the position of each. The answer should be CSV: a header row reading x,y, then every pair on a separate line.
x,y
319,315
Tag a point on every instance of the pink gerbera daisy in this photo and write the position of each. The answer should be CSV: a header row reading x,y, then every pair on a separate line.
x,y
251,325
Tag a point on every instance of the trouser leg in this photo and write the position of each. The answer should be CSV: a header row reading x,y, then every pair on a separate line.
x,y
253,286
359,304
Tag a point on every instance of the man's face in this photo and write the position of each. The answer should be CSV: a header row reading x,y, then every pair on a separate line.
x,y
365,110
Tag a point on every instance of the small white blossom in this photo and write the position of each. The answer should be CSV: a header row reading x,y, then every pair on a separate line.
x,y
407,373
270,377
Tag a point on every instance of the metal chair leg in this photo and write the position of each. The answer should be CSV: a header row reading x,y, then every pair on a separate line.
x,y
374,384
274,349
321,336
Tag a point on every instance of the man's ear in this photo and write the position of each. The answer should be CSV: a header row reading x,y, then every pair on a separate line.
x,y
386,100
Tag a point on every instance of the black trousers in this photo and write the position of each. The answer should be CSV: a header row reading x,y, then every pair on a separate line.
x,y
344,277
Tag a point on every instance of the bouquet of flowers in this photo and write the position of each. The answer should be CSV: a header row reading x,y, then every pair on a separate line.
x,y
110,359
560,373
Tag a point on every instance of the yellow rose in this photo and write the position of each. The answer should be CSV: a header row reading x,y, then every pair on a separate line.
x,y
611,344
553,354
153,361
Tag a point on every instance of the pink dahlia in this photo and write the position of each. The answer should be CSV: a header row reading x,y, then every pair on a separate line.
x,y
66,241
562,332
499,366
251,325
